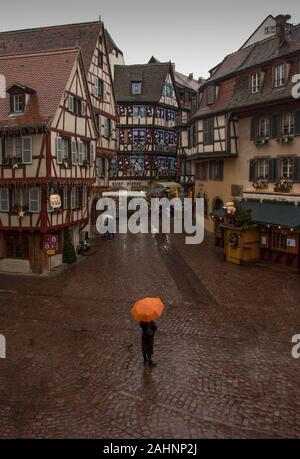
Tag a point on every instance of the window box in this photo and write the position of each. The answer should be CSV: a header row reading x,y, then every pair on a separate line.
x,y
261,141
12,161
85,163
260,184
283,186
285,139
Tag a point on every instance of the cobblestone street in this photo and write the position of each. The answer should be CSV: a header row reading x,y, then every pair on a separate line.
x,y
74,366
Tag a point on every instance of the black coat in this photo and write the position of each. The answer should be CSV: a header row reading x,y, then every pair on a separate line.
x,y
147,339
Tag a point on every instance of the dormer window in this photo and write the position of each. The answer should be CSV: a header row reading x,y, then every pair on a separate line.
x,y
136,87
18,103
280,75
211,95
255,82
19,96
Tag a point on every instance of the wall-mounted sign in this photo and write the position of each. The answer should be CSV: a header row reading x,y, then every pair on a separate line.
x,y
50,243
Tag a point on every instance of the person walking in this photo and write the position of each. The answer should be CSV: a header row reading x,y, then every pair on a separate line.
x,y
149,329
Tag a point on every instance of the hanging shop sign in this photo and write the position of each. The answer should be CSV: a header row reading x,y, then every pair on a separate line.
x,y
55,201
50,244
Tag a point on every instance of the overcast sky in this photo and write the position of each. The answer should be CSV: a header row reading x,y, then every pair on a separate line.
x,y
194,34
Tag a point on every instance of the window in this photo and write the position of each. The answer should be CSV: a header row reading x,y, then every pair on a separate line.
x,y
279,240
139,136
216,170
262,168
202,170
34,200
18,103
99,58
107,127
62,149
280,75
65,197
139,111
169,91
19,148
136,87
288,122
208,131
287,168
255,82
73,198
101,167
160,113
17,245
4,200
19,198
264,127
211,95
160,137
98,88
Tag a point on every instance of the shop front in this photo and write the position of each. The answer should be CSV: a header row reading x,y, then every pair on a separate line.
x,y
279,230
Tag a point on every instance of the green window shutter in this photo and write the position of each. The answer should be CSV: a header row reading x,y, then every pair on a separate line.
x,y
27,150
58,147
92,154
4,200
253,170
34,200
1,151
273,169
74,152
275,126
297,122
71,103
253,129
297,170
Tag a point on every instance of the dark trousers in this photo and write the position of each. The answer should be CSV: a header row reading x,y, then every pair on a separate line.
x,y
147,356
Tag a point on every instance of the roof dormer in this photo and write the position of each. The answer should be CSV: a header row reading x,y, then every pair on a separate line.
x,y
19,96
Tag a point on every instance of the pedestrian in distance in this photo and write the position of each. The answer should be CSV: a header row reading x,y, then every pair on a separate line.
x,y
149,329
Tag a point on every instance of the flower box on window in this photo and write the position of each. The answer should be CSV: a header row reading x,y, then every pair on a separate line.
x,y
283,186
285,139
260,184
261,141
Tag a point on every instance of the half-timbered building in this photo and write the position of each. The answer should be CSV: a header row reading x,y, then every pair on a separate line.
x,y
99,52
47,168
147,137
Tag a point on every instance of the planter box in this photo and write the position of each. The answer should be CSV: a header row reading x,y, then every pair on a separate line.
x,y
241,245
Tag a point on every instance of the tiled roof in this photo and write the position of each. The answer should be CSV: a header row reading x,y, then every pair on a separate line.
x,y
185,81
223,101
257,54
152,77
47,74
83,35
111,43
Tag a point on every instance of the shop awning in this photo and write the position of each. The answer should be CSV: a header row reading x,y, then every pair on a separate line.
x,y
271,213
168,184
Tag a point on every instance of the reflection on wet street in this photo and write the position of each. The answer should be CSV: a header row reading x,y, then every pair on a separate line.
x,y
74,365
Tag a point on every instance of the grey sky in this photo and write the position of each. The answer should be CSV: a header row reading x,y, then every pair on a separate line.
x,y
195,35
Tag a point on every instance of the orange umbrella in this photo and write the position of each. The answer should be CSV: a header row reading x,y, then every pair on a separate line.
x,y
147,309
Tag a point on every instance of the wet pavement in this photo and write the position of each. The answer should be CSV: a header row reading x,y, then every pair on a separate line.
x,y
74,366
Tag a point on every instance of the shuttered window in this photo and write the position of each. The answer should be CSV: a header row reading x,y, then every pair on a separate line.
x,y
208,131
4,200
73,198
92,154
74,152
34,200
58,146
26,150
65,197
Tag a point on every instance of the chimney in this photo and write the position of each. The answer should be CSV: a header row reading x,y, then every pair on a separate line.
x,y
191,76
281,21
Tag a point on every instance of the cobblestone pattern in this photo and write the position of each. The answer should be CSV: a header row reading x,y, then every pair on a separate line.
x,y
74,366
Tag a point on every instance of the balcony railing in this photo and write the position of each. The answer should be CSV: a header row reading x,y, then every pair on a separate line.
x,y
187,179
149,174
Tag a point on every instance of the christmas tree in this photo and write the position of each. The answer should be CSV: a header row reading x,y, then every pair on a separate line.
x,y
69,255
